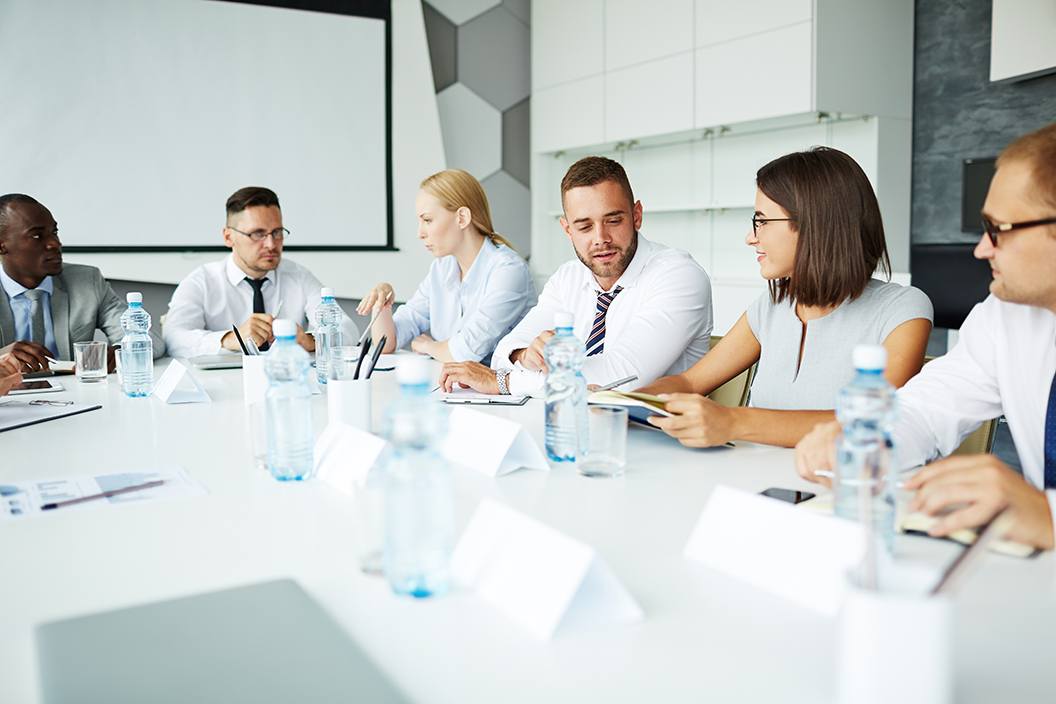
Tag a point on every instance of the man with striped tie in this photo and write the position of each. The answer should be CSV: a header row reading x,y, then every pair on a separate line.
x,y
1004,364
641,308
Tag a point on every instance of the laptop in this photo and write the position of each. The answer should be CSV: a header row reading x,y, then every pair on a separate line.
x,y
263,643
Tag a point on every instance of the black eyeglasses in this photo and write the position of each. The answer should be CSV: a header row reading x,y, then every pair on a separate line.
x,y
757,221
991,228
277,235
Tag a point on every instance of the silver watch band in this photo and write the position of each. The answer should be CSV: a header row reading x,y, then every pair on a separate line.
x,y
502,376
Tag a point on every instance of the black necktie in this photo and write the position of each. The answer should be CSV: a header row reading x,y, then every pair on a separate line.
x,y
258,303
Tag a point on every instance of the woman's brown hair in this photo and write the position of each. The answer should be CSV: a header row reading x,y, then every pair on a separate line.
x,y
831,204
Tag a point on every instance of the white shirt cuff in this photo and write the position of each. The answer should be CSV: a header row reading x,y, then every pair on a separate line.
x,y
524,382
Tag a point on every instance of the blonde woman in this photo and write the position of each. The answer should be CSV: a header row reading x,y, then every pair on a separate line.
x,y
477,290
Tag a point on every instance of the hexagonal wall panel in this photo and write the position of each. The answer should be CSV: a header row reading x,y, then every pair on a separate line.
x,y
521,8
516,134
511,207
442,36
459,11
491,57
472,131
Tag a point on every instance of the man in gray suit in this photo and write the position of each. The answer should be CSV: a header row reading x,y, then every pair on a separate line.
x,y
46,306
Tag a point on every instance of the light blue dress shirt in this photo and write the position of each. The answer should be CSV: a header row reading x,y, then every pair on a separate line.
x,y
472,314
20,307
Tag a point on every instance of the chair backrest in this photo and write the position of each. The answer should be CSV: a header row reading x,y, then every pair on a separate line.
x,y
982,440
735,391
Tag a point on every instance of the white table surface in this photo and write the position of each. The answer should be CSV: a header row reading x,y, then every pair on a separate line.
x,y
705,637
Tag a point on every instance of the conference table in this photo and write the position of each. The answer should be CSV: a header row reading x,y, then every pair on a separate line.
x,y
706,636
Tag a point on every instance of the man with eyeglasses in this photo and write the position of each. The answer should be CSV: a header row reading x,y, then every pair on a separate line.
x,y
248,289
46,305
1004,364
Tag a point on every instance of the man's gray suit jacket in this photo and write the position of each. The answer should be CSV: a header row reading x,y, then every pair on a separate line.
x,y
82,301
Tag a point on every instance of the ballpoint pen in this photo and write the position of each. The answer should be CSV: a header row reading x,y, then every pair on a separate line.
x,y
614,384
362,354
241,344
377,353
105,494
373,318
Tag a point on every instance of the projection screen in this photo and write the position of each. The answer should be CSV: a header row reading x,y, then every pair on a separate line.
x,y
134,120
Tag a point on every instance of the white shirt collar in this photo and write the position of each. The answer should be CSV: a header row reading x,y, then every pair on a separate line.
x,y
236,275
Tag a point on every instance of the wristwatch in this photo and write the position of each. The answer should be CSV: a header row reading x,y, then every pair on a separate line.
x,y
502,376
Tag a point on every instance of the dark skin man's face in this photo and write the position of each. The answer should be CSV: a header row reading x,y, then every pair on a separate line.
x,y
29,248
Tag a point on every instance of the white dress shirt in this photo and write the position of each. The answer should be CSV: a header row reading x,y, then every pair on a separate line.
x,y
472,314
659,324
1003,363
216,296
21,306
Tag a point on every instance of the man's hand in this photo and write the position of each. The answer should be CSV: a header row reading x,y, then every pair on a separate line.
x,y
473,375
10,377
30,356
531,357
111,358
982,486
422,344
817,452
378,297
698,421
257,328
304,340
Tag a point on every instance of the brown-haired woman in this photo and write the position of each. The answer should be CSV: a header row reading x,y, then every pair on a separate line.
x,y
477,290
819,236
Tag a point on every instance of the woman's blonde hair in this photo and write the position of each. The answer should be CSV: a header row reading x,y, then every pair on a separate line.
x,y
455,189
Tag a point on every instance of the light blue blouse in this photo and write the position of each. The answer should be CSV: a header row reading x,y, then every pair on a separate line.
x,y
472,314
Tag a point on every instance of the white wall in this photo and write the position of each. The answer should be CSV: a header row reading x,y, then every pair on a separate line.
x,y
417,152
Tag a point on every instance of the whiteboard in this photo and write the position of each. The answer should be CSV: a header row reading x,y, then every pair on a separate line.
x,y
1022,41
134,120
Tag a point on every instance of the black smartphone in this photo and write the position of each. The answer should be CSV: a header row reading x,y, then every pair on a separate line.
x,y
789,495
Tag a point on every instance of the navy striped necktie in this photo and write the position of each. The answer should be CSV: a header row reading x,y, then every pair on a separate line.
x,y
596,341
1050,439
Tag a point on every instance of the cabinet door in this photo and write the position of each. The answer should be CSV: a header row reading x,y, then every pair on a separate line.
x,y
722,20
766,75
636,31
567,41
568,115
738,157
649,99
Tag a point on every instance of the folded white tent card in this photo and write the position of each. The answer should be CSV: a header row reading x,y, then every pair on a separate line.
x,y
539,577
489,444
178,385
796,554
344,455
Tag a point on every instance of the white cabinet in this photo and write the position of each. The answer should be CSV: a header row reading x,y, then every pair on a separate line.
x,y
720,20
568,115
636,31
567,41
651,98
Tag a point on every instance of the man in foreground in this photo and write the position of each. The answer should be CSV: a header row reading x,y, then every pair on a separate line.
x,y
47,306
1004,363
642,309
248,289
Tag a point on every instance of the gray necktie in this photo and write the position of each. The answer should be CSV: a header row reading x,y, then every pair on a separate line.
x,y
36,315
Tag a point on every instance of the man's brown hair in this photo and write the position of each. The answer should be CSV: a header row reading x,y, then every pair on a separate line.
x,y
248,197
592,170
831,204
1038,149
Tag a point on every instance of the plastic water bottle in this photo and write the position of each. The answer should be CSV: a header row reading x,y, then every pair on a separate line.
x,y
865,455
418,505
328,317
137,349
566,394
288,404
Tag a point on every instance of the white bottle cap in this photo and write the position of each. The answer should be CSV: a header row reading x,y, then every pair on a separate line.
x,y
870,357
414,370
327,291
284,328
134,297
564,319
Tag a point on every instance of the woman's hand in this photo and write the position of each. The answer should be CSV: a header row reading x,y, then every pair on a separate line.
x,y
378,297
698,421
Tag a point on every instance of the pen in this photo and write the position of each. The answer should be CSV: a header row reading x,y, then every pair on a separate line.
x,y
377,353
373,318
278,309
969,560
614,384
105,494
253,349
362,354
240,343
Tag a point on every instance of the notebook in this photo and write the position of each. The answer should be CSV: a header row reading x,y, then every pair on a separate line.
x,y
264,643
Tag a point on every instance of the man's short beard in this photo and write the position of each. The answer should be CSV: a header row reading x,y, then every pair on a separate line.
x,y
619,266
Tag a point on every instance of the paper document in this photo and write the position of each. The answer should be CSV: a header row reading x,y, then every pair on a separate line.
x,y
471,396
18,414
22,499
